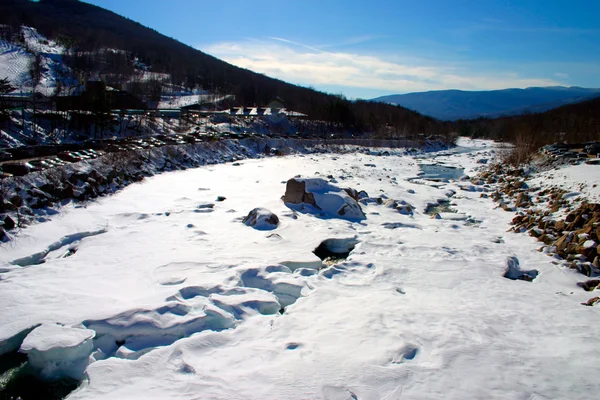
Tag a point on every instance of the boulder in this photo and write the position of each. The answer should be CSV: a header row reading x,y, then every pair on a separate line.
x,y
400,205
591,301
513,271
296,193
261,219
562,243
7,222
590,285
323,199
522,200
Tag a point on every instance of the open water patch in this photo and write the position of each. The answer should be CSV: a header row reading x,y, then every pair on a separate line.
x,y
440,173
442,206
19,381
334,251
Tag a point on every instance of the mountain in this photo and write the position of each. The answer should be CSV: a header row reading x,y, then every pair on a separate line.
x,y
461,104
98,42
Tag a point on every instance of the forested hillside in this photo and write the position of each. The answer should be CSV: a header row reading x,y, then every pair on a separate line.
x,y
84,30
574,123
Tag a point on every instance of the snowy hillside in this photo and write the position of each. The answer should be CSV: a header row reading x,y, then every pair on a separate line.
x,y
161,291
15,60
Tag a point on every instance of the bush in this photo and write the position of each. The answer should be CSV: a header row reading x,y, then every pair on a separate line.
x,y
522,152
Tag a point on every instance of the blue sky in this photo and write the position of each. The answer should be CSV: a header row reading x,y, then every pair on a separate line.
x,y
371,48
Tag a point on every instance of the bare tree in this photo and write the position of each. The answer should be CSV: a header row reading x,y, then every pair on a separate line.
x,y
5,88
35,73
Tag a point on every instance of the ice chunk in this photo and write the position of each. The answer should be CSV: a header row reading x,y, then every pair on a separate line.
x,y
58,351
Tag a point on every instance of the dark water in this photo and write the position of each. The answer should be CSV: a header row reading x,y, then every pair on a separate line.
x,y
440,173
441,206
18,382
334,251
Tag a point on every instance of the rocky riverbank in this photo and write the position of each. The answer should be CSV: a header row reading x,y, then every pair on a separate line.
x,y
566,223
37,196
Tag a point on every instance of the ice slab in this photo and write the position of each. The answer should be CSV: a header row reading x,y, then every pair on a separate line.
x,y
58,351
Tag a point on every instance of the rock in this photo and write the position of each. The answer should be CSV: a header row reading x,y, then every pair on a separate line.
x,y
590,285
75,178
536,232
571,217
16,201
221,198
261,219
517,219
7,222
522,200
591,301
547,240
577,223
324,199
562,243
514,272
295,193
400,205
352,193
519,185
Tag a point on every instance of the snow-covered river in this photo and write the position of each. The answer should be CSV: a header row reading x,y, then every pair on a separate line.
x,y
187,302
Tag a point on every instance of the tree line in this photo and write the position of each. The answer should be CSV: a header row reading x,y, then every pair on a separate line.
x,y
571,123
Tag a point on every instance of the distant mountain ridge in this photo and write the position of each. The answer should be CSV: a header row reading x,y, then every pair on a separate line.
x,y
461,104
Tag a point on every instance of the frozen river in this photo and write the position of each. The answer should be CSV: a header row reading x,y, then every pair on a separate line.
x,y
185,301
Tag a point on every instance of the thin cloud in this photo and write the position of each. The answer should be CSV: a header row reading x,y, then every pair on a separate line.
x,y
293,62
296,44
352,41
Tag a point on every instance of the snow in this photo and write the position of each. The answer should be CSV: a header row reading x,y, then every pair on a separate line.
x,y
188,304
178,100
49,337
578,180
15,59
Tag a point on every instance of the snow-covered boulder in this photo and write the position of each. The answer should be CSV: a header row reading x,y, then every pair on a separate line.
x,y
323,198
57,351
513,271
261,219
400,205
